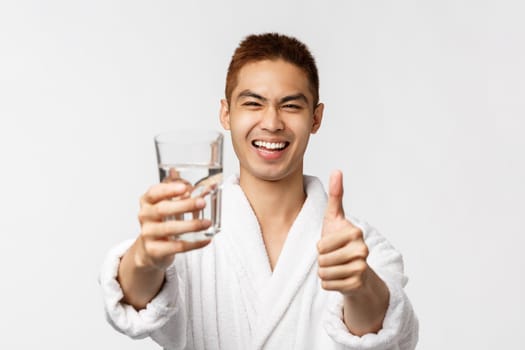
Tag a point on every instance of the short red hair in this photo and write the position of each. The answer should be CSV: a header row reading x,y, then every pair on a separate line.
x,y
272,46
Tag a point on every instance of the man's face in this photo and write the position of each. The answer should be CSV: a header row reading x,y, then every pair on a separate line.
x,y
271,116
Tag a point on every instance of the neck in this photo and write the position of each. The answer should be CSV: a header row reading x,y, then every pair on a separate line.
x,y
275,203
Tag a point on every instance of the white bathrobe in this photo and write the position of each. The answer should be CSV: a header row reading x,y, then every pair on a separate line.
x,y
225,295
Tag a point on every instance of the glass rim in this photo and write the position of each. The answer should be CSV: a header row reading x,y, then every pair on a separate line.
x,y
188,135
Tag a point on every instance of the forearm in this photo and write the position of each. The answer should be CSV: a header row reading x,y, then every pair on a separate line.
x,y
140,284
365,310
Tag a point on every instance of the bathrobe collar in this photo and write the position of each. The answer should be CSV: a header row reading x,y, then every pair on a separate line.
x,y
271,293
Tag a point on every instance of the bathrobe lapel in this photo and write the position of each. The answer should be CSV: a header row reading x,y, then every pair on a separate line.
x,y
246,253
271,294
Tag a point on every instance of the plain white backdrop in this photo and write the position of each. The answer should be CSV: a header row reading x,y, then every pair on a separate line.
x,y
425,108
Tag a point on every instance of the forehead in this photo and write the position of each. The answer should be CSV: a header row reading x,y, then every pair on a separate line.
x,y
272,78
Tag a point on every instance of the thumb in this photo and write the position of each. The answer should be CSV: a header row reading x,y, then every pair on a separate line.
x,y
334,208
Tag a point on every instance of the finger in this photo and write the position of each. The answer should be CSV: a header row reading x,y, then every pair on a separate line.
x,y
184,246
162,191
334,208
168,228
347,233
160,249
331,273
351,251
346,285
170,208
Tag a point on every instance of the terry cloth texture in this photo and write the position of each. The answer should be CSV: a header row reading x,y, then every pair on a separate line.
x,y
225,296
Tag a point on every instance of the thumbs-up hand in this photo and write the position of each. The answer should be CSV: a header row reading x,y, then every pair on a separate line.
x,y
342,249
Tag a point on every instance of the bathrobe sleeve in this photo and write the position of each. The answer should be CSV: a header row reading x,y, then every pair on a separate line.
x,y
140,324
400,326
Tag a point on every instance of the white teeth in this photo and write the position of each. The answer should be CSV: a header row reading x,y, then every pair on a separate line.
x,y
270,145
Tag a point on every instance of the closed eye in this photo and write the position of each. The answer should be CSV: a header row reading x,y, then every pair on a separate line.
x,y
251,103
291,106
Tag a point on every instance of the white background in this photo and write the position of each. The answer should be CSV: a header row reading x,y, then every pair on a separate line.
x,y
425,105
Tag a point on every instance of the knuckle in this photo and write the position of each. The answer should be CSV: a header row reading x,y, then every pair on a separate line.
x,y
146,212
142,216
147,197
142,200
361,266
152,250
146,230
161,209
169,227
347,252
356,233
353,283
365,251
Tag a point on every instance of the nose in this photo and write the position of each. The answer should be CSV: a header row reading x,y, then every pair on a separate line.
x,y
271,120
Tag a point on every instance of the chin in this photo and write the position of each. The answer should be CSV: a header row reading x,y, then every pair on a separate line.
x,y
272,175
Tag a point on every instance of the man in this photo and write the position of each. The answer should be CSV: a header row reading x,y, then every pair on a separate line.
x,y
288,270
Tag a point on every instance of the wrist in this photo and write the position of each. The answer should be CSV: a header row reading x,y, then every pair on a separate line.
x,y
141,261
139,280
365,309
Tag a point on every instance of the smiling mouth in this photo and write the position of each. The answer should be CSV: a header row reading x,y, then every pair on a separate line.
x,y
270,146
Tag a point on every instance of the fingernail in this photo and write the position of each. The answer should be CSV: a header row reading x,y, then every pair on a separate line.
x,y
200,203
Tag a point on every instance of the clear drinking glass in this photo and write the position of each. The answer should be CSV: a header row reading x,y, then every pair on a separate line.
x,y
194,157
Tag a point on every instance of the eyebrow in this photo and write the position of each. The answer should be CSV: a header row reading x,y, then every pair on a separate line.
x,y
249,93
298,96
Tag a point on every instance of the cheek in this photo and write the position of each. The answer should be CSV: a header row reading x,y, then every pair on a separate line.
x,y
301,130
239,130
240,127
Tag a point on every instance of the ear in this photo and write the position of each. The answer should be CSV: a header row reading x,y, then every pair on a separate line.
x,y
317,118
225,115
